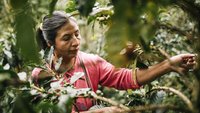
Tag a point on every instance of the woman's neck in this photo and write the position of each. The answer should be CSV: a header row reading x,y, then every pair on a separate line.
x,y
66,64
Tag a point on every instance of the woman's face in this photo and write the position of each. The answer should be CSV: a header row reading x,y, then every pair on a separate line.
x,y
67,40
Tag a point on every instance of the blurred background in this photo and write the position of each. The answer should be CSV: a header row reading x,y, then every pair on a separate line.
x,y
126,33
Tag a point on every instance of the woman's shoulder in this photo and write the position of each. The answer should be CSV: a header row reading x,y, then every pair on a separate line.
x,y
86,55
90,57
36,71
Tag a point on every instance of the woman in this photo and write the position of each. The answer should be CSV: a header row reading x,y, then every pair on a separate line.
x,y
61,31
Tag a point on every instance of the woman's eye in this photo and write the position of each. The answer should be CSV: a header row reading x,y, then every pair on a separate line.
x,y
77,34
66,38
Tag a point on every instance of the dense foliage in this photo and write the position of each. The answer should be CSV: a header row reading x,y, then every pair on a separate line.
x,y
127,33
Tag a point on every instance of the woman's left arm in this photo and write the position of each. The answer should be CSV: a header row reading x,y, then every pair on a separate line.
x,y
182,62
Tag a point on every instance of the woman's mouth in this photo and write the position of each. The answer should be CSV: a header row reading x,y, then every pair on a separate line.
x,y
74,51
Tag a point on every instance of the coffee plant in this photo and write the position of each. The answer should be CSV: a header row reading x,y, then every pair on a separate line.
x,y
131,33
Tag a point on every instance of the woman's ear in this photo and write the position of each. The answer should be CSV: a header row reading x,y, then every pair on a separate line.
x,y
49,44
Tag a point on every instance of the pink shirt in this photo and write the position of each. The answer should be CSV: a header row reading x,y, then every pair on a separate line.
x,y
99,72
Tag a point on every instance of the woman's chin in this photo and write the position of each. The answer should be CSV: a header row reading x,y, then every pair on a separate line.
x,y
73,54
70,54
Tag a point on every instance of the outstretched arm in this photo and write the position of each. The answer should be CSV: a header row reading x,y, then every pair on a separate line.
x,y
182,62
112,109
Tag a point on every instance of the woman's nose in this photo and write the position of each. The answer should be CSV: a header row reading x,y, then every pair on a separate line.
x,y
75,41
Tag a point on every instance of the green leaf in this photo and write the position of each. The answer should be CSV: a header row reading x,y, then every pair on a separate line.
x,y
8,78
24,26
48,55
52,6
71,6
76,76
65,103
23,105
58,64
18,4
144,44
90,19
8,74
47,107
85,6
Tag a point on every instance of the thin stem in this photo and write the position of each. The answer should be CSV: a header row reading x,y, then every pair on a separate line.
x,y
94,95
178,93
38,89
155,107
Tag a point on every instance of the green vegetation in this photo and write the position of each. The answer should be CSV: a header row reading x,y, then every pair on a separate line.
x,y
123,32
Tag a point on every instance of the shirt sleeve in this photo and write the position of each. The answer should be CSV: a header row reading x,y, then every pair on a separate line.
x,y
119,78
34,75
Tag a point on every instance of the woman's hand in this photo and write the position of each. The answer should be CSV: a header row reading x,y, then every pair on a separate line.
x,y
182,62
112,109
179,63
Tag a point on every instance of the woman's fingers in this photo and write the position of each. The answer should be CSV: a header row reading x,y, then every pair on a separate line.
x,y
188,66
187,55
185,62
188,62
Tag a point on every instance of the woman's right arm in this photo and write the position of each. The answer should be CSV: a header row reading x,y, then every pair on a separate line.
x,y
112,109
39,74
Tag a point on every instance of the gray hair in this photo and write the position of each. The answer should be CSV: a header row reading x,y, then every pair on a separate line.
x,y
50,26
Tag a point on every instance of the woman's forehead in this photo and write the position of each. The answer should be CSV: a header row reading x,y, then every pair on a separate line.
x,y
69,27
